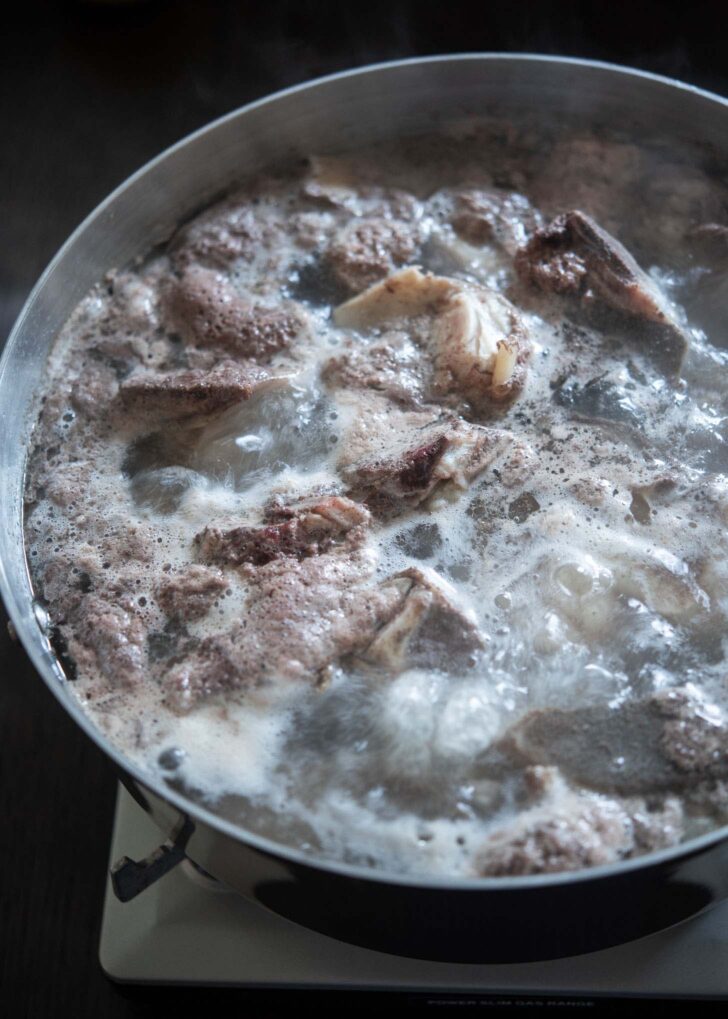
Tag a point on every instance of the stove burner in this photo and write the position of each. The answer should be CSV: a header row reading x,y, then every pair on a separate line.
x,y
190,929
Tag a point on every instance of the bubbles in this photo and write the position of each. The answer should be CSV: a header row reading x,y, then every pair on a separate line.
x,y
469,722
582,578
278,428
706,438
250,443
431,723
163,490
172,758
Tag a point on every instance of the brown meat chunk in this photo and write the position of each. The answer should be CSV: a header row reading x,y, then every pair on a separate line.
x,y
659,826
503,217
333,182
562,829
393,475
63,484
477,341
695,733
185,393
336,182
54,575
309,528
95,388
367,250
393,484
431,630
708,797
218,239
207,311
340,511
190,594
575,257
301,617
210,669
395,368
657,744
110,635
568,833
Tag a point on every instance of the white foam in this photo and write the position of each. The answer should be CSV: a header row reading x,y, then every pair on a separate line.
x,y
236,753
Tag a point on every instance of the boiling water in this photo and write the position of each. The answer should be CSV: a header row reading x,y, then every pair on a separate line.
x,y
591,584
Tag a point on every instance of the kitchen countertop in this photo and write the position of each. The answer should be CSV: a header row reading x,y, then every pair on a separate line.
x,y
91,92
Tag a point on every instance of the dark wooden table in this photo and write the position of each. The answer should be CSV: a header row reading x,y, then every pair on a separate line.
x,y
90,92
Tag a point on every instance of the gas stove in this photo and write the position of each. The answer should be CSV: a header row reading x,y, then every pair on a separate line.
x,y
188,929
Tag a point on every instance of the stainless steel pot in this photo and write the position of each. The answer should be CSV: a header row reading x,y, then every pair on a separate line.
x,y
463,920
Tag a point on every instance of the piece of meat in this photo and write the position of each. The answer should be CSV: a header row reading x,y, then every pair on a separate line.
x,y
656,744
186,393
94,390
475,338
708,797
301,617
117,324
109,636
403,295
206,310
54,574
394,367
63,484
394,460
333,182
338,182
505,218
221,237
567,832
695,733
393,484
481,347
573,254
657,826
431,630
309,528
366,250
574,257
133,308
190,594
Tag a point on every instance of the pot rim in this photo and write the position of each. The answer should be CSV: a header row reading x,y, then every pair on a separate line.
x,y
28,633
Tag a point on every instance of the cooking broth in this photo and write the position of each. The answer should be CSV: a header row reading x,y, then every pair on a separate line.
x,y
384,512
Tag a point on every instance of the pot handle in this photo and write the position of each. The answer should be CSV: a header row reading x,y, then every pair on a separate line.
x,y
131,877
